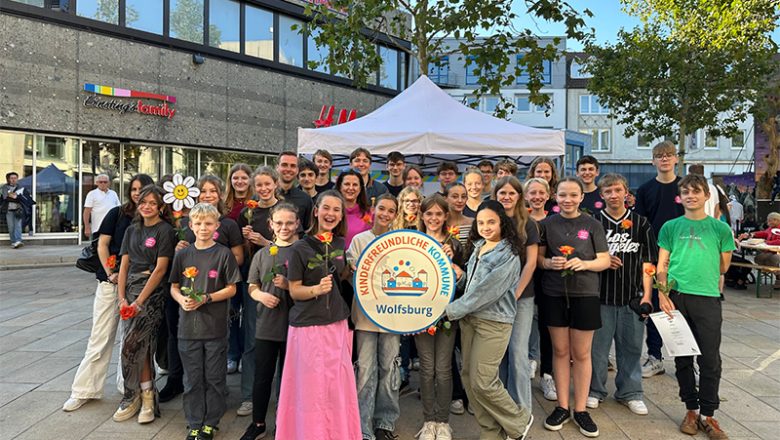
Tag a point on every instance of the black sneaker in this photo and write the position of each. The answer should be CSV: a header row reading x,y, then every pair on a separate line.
x,y
587,426
173,387
383,434
254,431
558,418
207,432
193,434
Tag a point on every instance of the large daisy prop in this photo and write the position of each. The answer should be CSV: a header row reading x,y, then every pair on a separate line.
x,y
181,192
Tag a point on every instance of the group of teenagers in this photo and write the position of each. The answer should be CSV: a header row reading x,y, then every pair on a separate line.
x,y
550,273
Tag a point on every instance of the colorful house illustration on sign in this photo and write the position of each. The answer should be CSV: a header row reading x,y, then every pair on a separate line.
x,y
404,283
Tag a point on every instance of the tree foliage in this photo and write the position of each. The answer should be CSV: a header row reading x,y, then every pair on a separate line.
x,y
664,78
484,30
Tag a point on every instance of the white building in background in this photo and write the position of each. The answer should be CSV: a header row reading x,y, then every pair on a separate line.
x,y
631,156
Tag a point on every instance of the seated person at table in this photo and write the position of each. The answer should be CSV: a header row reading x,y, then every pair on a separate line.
x,y
771,235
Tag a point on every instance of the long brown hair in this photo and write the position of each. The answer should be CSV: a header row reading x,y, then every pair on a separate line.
x,y
217,183
341,229
554,175
520,213
230,196
158,193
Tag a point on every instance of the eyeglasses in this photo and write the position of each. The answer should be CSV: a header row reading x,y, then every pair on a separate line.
x,y
412,202
664,156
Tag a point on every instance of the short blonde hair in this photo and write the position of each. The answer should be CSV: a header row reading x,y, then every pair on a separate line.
x,y
202,210
539,181
773,216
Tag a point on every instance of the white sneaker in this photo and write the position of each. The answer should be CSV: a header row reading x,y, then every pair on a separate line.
x,y
443,431
547,384
652,367
427,432
456,407
533,365
73,404
245,409
637,407
592,402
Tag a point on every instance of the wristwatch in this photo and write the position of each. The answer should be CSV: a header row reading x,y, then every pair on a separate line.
x,y
208,298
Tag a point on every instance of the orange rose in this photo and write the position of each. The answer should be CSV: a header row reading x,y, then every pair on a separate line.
x,y
650,270
127,312
325,237
367,218
432,330
566,250
411,217
190,272
626,224
252,204
453,231
177,214
111,262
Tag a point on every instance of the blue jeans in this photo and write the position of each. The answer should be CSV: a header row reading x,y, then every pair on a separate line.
x,y
623,325
533,340
378,381
249,324
14,226
515,370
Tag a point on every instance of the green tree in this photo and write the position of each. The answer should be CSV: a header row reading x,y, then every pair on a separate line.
x,y
187,22
108,11
664,78
484,30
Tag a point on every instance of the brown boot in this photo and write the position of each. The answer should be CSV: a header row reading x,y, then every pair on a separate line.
x,y
689,423
711,427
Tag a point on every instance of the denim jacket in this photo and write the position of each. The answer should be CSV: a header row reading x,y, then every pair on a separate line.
x,y
490,285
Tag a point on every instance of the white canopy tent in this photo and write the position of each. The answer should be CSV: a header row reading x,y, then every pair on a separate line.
x,y
424,120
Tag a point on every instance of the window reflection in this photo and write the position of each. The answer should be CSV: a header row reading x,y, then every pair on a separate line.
x,y
218,163
224,26
316,53
181,160
388,72
141,159
145,15
290,42
56,178
186,20
102,10
31,2
17,156
259,33
100,157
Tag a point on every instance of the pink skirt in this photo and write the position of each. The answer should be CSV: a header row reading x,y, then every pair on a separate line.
x,y
318,398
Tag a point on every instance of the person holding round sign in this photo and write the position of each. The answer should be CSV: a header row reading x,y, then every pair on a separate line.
x,y
435,345
486,312
318,398
378,376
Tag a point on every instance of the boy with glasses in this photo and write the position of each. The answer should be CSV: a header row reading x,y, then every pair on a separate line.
x,y
486,167
658,200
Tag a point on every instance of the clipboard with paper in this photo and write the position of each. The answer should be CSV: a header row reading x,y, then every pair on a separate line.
x,y
676,334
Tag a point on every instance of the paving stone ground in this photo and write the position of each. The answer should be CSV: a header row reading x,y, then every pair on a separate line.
x,y
45,318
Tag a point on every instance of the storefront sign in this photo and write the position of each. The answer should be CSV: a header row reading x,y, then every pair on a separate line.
x,y
403,281
125,106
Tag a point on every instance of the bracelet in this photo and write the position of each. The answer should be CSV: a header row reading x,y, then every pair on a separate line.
x,y
208,298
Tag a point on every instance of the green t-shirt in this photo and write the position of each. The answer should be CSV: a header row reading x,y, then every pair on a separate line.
x,y
695,247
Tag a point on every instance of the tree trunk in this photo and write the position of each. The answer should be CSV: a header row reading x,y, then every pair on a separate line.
x,y
681,151
769,126
420,36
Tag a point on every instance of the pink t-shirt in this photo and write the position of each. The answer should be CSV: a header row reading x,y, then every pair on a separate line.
x,y
356,223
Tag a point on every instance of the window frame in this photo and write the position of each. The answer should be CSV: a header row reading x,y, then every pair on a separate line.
x,y
591,111
524,76
743,133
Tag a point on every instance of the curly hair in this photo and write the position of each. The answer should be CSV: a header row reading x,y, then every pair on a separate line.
x,y
508,229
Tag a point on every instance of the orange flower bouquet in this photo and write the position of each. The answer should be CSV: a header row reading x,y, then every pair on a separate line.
x,y
190,273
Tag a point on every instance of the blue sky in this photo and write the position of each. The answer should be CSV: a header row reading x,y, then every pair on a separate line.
x,y
607,19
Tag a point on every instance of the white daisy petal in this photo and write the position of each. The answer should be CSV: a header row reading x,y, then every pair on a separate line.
x,y
194,192
169,186
178,205
189,202
168,197
177,179
189,181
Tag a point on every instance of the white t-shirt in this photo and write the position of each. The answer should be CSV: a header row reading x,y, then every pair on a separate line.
x,y
100,202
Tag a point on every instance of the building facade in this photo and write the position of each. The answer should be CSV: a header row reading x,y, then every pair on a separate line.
x,y
158,87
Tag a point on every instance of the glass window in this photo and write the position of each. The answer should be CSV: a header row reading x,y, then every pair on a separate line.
x,y
440,74
17,156
102,10
290,41
56,184
600,139
546,72
522,104
259,33
590,105
738,140
315,53
218,163
100,158
710,140
31,3
403,71
224,25
145,15
468,100
643,140
491,102
388,71
141,159
186,20
181,160
471,77
542,108
577,70
524,76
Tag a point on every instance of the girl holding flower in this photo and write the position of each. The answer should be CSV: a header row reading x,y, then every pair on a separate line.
x,y
91,374
357,211
268,286
457,198
318,398
409,200
147,249
572,252
435,348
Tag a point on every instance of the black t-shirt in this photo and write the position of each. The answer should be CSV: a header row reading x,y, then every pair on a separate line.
x,y
394,190
531,237
659,202
228,233
592,202
115,223
260,217
271,323
145,245
468,212
630,238
303,202
586,236
217,268
324,309
323,188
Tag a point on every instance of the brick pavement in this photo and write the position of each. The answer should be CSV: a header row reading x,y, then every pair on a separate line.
x,y
45,318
